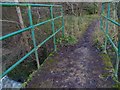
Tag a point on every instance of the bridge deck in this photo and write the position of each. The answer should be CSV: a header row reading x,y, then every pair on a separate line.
x,y
75,66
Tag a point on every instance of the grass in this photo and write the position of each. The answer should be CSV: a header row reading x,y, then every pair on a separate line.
x,y
98,38
75,26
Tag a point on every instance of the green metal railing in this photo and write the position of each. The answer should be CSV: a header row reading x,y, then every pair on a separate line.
x,y
107,35
31,27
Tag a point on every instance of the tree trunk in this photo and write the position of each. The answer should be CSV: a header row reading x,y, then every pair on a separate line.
x,y
24,38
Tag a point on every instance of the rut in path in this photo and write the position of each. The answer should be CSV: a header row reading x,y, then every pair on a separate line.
x,y
77,66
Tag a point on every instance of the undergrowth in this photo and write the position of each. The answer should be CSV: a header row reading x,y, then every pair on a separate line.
x,y
75,26
107,57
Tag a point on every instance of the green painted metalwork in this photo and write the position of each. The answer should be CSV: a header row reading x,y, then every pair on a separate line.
x,y
33,35
108,37
26,29
53,26
28,4
31,27
108,16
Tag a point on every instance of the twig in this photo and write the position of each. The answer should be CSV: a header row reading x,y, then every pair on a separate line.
x,y
9,21
18,24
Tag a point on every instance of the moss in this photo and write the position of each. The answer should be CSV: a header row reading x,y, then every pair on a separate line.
x,y
99,37
107,62
108,66
51,54
28,79
117,86
46,62
51,60
105,75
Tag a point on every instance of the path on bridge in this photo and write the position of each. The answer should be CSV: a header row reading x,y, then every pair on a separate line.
x,y
77,66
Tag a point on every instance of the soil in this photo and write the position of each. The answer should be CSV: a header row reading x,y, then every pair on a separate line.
x,y
74,66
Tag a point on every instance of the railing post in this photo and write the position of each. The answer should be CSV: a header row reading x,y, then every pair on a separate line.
x,y
33,35
118,53
106,32
63,27
53,27
119,34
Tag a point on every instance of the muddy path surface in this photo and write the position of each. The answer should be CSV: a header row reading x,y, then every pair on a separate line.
x,y
77,66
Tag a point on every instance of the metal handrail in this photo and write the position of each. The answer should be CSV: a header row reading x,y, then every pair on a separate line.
x,y
31,27
108,37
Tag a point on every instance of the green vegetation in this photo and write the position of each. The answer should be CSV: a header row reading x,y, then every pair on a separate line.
x,y
67,40
28,79
109,57
92,8
46,64
107,62
117,85
98,38
75,27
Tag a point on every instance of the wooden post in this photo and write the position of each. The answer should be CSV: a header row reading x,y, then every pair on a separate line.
x,y
24,38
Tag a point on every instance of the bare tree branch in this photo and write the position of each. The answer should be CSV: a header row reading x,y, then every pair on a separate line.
x,y
9,21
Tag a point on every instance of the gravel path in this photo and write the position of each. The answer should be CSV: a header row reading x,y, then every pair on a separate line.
x,y
78,66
